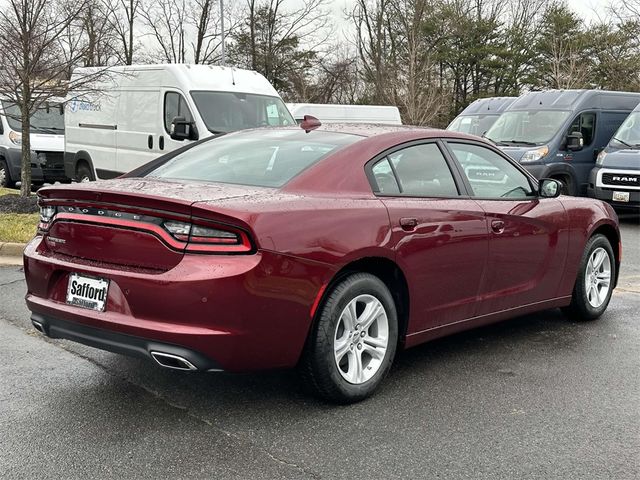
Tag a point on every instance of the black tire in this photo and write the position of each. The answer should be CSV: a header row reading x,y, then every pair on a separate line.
x,y
84,173
318,366
5,176
566,183
580,308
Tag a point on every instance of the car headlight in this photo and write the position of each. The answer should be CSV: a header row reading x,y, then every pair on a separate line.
x,y
15,138
600,158
535,155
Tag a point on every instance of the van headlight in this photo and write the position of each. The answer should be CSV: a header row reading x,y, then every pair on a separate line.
x,y
535,155
15,138
600,158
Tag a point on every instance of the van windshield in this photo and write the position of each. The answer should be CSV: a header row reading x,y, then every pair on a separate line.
x,y
529,127
224,112
628,135
49,118
472,124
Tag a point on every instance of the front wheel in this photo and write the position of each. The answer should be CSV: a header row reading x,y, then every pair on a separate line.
x,y
5,176
352,346
594,285
83,173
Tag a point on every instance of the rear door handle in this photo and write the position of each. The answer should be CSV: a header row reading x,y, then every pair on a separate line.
x,y
497,226
408,224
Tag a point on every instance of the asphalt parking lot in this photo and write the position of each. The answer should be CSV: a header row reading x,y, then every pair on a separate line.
x,y
535,397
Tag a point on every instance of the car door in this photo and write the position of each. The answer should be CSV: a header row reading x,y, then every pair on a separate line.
x,y
440,237
528,236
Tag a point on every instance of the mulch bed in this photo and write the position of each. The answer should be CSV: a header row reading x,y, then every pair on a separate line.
x,y
18,204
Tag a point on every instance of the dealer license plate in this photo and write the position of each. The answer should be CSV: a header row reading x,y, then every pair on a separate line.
x,y
87,292
620,196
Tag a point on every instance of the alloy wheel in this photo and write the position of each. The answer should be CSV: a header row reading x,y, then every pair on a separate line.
x,y
361,339
597,277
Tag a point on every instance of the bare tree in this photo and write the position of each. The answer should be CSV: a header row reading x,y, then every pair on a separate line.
x,y
122,16
34,64
166,19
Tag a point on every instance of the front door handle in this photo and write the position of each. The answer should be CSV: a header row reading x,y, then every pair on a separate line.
x,y
408,224
497,226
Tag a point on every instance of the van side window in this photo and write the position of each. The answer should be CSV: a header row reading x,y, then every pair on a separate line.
x,y
585,124
175,106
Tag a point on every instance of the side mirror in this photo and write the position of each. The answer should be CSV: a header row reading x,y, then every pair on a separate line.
x,y
549,188
575,141
181,129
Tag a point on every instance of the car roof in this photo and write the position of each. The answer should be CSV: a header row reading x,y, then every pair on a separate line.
x,y
405,131
488,106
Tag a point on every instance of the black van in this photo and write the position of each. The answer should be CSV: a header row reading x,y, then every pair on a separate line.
x,y
559,133
616,176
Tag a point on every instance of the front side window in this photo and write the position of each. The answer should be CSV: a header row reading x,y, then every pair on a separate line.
x,y
175,106
418,171
230,111
528,127
584,124
267,158
489,174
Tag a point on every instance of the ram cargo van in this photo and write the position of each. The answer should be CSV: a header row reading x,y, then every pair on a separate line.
x,y
47,143
559,133
335,113
480,115
616,176
137,113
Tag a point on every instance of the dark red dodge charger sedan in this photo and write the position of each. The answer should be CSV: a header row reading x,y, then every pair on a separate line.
x,y
326,249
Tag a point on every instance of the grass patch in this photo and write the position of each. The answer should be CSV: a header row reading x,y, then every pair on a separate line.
x,y
18,227
9,191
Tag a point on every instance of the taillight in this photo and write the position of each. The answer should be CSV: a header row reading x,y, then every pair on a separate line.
x,y
46,215
201,239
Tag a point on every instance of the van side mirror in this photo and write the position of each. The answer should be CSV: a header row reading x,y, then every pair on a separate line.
x,y
575,141
549,188
181,129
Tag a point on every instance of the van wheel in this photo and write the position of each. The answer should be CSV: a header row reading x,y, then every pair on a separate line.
x,y
5,176
83,173
566,183
352,345
594,285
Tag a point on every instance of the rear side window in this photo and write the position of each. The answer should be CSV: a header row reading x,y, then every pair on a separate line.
x,y
175,106
267,158
418,171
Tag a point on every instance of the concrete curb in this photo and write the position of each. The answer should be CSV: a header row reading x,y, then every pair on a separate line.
x,y
11,253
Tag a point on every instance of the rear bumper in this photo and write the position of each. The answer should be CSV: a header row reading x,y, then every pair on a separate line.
x,y
230,312
119,343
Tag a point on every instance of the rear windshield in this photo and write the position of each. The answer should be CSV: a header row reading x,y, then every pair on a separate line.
x,y
266,158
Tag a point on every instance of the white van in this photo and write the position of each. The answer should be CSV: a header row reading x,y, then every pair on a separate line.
x,y
47,143
137,113
333,113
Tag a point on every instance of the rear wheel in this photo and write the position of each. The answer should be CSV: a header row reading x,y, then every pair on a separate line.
x,y
83,173
594,285
353,343
5,175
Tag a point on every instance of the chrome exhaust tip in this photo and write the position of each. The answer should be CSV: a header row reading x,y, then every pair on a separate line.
x,y
175,362
38,326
